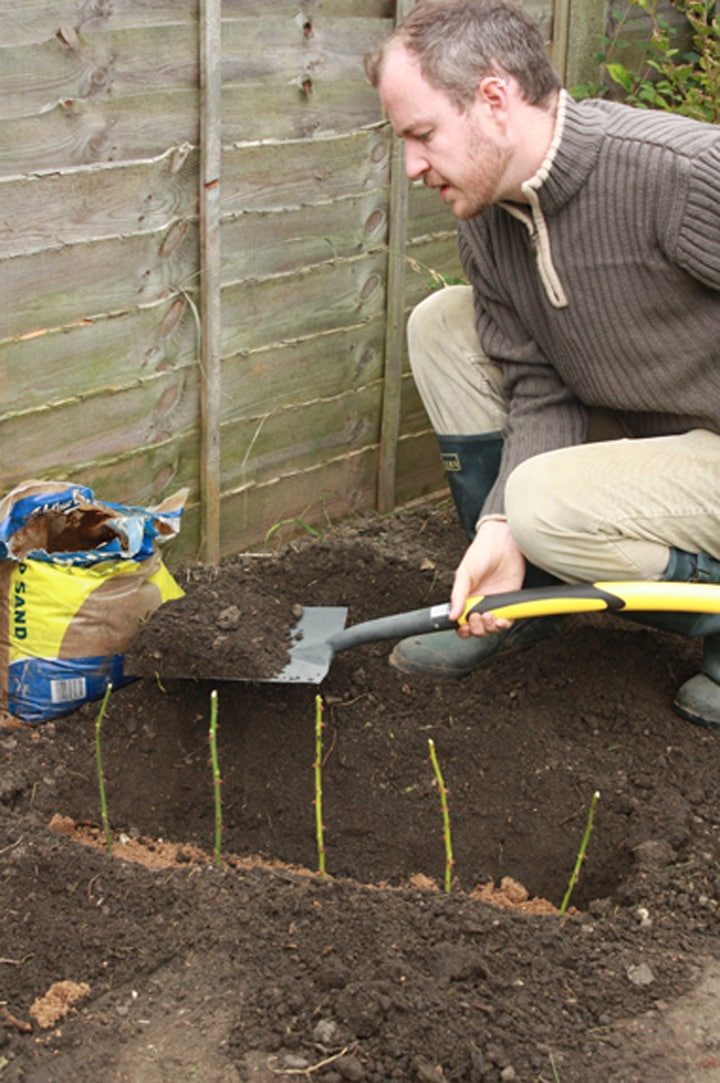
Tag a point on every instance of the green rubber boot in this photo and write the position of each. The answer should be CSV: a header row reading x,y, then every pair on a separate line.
x,y
471,465
445,656
698,699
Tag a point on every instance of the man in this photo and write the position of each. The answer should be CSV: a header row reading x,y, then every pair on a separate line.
x,y
590,235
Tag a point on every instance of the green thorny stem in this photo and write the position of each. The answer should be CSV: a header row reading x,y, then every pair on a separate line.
x,y
217,780
99,768
442,788
319,826
574,876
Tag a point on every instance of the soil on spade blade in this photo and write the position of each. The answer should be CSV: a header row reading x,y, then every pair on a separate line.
x,y
156,963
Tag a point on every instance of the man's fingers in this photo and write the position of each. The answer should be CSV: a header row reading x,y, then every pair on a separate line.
x,y
487,623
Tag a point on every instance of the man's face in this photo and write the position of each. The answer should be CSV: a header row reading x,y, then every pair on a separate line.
x,y
459,153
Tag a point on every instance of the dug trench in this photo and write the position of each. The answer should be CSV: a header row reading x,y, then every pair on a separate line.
x,y
259,968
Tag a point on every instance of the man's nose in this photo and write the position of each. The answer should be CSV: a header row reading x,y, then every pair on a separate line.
x,y
416,164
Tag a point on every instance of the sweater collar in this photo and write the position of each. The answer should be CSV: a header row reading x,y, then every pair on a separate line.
x,y
572,155
570,158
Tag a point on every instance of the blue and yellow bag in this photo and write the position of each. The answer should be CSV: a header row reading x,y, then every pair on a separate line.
x,y
77,578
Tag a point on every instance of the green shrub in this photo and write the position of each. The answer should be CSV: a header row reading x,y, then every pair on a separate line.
x,y
666,68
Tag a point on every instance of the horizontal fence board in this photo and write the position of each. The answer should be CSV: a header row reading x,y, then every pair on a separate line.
x,y
148,197
325,495
258,111
320,366
284,308
280,242
103,426
288,174
272,49
56,209
75,90
419,470
48,289
438,254
94,64
427,214
287,440
96,355
35,21
38,20
377,9
99,130
143,476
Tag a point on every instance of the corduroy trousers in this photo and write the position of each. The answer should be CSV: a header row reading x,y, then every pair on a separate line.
x,y
607,509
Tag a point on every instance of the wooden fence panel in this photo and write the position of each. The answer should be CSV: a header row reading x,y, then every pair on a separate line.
x,y
100,257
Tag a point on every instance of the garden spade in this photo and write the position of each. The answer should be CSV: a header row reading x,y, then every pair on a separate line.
x,y
320,633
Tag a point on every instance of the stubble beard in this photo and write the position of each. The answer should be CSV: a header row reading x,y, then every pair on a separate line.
x,y
487,162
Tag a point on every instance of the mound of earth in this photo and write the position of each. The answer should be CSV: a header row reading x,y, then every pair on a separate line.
x,y
212,949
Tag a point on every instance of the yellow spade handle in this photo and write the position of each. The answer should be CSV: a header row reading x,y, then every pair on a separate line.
x,y
641,595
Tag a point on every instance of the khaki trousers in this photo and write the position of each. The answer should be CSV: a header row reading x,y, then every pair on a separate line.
x,y
608,509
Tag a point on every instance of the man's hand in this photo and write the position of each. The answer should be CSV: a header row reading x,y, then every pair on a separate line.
x,y
492,564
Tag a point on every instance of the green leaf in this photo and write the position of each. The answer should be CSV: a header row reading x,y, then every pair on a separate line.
x,y
619,74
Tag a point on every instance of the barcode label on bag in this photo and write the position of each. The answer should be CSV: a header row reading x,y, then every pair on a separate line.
x,y
66,691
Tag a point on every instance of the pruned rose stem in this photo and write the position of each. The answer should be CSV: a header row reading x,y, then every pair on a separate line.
x,y
574,876
447,835
99,768
319,826
217,779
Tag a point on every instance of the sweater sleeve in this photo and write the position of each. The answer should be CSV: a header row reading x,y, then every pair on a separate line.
x,y
543,414
694,242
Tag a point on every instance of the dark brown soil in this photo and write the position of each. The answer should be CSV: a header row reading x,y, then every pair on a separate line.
x,y
262,970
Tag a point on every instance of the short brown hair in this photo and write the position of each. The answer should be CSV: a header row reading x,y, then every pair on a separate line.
x,y
458,42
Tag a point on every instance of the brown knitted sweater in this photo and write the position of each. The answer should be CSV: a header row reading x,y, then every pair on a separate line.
x,y
604,290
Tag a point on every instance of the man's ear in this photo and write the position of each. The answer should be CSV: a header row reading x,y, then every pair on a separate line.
x,y
492,92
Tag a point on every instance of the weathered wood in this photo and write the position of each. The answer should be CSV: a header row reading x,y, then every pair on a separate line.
x,y
420,471
99,130
56,209
256,245
99,259
94,63
36,21
94,355
329,493
394,328
427,214
300,437
587,21
375,9
49,288
285,308
256,111
321,366
124,62
291,173
560,36
121,353
102,426
65,286
414,419
209,197
437,254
